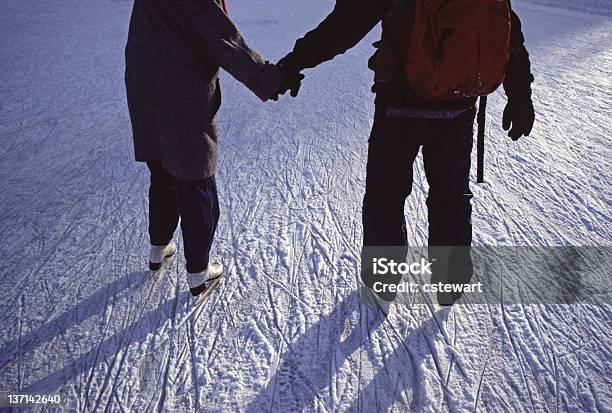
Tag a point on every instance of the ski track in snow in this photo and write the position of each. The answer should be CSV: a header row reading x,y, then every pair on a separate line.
x,y
286,331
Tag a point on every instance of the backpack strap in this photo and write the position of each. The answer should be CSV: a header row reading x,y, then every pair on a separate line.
x,y
480,141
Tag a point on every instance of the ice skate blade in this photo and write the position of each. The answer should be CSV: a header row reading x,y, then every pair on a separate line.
x,y
199,299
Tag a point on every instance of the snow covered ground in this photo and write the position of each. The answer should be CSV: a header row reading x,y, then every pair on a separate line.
x,y
81,316
589,6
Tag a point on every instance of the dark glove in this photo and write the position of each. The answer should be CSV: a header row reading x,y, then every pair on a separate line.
x,y
518,117
292,80
292,77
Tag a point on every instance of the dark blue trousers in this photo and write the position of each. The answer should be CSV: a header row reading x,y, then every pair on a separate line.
x,y
197,205
393,147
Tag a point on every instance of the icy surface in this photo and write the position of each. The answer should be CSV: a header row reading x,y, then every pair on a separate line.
x,y
588,6
286,331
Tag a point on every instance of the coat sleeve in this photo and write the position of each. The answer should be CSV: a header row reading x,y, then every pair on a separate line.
x,y
342,29
517,83
208,25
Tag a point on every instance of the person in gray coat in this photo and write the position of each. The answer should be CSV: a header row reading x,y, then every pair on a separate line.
x,y
173,55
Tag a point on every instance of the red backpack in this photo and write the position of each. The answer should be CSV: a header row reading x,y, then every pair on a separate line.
x,y
458,48
451,49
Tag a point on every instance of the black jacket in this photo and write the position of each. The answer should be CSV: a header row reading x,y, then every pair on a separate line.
x,y
351,20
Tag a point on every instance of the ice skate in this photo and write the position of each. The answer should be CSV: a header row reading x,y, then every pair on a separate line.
x,y
201,284
158,255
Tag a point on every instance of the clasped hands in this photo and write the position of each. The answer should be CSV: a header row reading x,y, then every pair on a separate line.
x,y
291,81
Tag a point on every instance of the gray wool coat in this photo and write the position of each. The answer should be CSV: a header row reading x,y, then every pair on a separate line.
x,y
173,54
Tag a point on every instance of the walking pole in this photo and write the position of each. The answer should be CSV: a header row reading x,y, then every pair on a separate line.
x,y
482,116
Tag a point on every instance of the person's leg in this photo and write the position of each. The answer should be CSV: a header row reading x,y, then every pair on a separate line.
x,y
447,168
391,153
199,211
163,210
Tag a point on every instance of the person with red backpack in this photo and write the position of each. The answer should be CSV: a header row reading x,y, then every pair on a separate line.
x,y
435,57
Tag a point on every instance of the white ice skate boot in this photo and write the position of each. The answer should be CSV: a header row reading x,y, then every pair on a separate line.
x,y
374,302
201,284
159,254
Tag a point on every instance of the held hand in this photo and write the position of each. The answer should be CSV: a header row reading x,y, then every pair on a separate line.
x,y
519,117
291,82
292,79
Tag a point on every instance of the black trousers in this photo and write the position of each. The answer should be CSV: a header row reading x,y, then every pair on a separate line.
x,y
393,146
197,205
